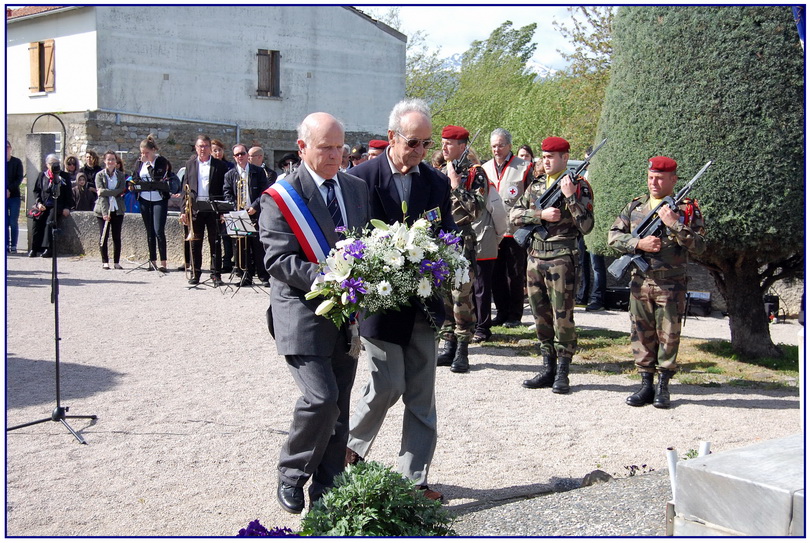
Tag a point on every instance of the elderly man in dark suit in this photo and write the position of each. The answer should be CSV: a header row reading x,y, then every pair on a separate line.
x,y
205,177
244,184
401,344
316,350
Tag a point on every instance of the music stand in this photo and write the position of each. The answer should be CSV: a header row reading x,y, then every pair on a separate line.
x,y
146,186
238,225
59,412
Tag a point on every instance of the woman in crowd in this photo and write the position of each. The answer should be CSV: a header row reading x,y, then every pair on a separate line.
x,y
83,199
91,168
72,169
109,210
525,152
154,204
51,190
218,152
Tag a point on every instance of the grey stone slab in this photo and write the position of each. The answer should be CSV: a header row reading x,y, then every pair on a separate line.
x,y
797,525
749,490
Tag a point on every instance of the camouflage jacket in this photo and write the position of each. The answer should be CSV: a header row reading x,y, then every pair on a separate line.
x,y
467,201
576,219
687,236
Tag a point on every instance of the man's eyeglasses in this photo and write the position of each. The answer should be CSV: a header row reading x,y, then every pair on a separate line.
x,y
240,153
414,143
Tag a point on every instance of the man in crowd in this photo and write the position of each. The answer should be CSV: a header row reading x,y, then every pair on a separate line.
x,y
245,184
469,187
401,345
658,296
552,268
315,349
511,175
344,162
288,164
358,155
256,157
205,177
376,148
14,177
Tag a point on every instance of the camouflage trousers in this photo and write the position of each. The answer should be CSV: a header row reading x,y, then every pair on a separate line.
x,y
656,309
550,286
459,309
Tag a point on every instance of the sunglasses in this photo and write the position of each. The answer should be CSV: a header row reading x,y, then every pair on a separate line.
x,y
239,154
414,143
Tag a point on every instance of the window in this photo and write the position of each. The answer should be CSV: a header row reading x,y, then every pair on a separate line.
x,y
43,71
269,73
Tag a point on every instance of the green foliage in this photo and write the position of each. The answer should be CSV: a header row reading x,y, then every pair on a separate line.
x,y
691,453
590,31
503,42
370,499
708,82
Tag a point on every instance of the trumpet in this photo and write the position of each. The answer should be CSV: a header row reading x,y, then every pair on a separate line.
x,y
188,212
241,241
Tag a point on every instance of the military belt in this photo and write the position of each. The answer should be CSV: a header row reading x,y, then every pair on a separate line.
x,y
549,246
663,274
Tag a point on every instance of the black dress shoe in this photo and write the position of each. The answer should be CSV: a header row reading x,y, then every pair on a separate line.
x,y
246,281
216,280
594,307
194,280
32,253
47,254
266,283
498,321
291,498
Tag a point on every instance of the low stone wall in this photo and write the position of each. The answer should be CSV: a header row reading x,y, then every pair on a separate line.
x,y
80,234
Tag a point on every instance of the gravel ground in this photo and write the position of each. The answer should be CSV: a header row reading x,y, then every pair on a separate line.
x,y
193,404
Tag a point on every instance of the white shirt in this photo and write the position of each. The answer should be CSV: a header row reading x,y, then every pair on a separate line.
x,y
203,175
324,191
149,195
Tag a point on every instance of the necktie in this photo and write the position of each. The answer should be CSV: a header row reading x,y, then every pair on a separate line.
x,y
332,203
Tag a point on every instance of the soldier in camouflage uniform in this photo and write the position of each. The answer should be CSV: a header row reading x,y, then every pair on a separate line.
x,y
658,297
468,195
552,265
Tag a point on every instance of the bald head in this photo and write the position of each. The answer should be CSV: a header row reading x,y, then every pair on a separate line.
x,y
320,143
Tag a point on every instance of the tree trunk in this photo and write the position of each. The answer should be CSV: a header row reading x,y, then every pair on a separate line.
x,y
750,331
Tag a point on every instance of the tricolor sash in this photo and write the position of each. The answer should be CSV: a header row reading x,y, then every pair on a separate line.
x,y
299,217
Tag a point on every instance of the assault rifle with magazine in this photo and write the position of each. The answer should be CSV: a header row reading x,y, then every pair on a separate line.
x,y
652,226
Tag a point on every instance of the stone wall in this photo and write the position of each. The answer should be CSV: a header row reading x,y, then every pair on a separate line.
x,y
123,133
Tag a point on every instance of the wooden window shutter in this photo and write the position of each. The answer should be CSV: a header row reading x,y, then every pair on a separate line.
x,y
269,63
49,66
33,56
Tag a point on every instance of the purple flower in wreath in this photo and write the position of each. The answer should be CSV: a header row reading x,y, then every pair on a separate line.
x,y
439,270
255,529
353,287
449,238
356,249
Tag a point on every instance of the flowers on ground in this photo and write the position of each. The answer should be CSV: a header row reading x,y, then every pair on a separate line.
x,y
385,266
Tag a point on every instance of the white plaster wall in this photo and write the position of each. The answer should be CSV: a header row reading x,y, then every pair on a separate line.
x,y
74,35
200,62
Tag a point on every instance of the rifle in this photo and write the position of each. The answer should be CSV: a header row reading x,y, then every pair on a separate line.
x,y
552,197
460,164
652,226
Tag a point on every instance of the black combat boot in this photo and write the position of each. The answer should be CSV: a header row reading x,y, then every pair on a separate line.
x,y
661,400
460,362
545,378
446,353
645,394
560,385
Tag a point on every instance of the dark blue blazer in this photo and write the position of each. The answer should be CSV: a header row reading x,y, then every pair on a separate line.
x,y
430,189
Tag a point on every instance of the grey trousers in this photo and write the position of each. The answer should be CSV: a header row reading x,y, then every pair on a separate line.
x,y
316,445
410,373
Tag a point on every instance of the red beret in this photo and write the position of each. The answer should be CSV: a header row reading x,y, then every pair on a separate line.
x,y
662,164
377,144
451,132
555,145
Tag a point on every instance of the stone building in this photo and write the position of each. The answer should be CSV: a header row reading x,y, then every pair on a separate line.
x,y
104,77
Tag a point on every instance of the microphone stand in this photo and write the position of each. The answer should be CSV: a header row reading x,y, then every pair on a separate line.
x,y
59,414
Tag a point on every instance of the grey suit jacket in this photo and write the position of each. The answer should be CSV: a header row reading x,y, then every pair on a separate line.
x,y
298,331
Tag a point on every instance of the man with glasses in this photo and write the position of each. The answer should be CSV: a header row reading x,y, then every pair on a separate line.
x,y
252,181
511,175
205,179
401,345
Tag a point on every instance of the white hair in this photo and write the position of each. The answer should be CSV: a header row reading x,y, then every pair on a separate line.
x,y
51,158
501,133
403,108
310,122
